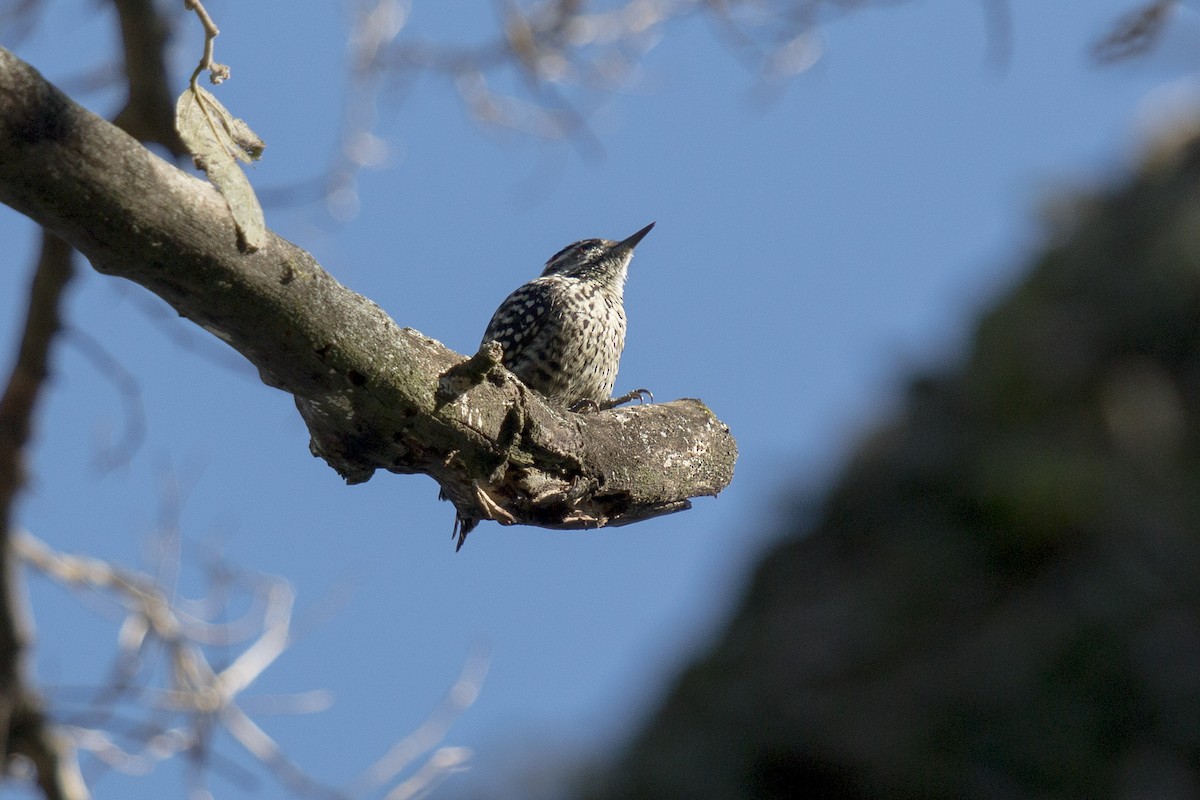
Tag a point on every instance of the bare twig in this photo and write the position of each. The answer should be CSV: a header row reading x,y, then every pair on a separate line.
x,y
568,60
431,732
217,73
195,689
197,699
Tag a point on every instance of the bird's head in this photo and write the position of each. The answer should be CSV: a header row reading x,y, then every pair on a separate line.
x,y
600,260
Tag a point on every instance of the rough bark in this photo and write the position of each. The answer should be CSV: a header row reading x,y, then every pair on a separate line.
x,y
374,395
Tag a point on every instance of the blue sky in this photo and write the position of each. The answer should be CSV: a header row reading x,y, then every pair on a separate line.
x,y
813,247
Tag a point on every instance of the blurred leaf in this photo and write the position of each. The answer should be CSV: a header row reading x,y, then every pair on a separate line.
x,y
217,141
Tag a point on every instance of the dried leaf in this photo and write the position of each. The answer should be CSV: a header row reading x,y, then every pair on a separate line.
x,y
217,141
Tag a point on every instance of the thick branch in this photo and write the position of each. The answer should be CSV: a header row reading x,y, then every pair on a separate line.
x,y
374,395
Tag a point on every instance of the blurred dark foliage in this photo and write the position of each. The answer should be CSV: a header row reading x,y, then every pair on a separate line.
x,y
1001,596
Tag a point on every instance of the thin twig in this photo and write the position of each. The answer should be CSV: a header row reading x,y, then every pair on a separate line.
x,y
431,732
216,72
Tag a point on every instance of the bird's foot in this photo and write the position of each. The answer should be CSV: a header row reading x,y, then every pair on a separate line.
x,y
641,395
591,406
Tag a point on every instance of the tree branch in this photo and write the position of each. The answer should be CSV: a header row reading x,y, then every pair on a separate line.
x,y
23,727
374,395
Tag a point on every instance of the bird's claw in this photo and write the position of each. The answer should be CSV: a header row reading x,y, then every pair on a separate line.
x,y
643,396
591,406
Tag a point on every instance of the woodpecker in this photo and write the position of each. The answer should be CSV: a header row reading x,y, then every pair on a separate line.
x,y
563,333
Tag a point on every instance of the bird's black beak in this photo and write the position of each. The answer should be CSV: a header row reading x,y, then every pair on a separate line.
x,y
632,241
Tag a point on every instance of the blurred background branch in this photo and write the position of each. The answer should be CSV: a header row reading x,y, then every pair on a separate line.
x,y
23,729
